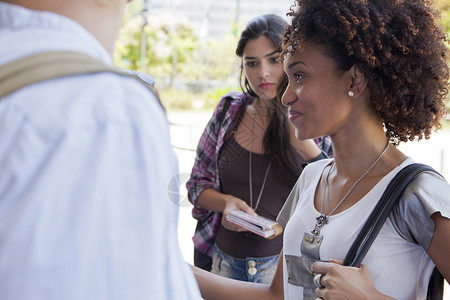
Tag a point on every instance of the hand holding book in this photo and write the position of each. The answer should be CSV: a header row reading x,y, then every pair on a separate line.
x,y
257,224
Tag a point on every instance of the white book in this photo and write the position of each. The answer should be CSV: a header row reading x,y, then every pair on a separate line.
x,y
257,224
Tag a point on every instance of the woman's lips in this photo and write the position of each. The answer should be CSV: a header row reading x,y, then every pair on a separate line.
x,y
265,85
293,114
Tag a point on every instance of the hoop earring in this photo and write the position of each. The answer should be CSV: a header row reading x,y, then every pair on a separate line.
x,y
351,93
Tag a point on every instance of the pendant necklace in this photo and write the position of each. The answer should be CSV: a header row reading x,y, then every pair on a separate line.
x,y
250,170
323,218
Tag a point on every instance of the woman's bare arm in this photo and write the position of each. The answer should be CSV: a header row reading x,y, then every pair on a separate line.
x,y
214,287
440,244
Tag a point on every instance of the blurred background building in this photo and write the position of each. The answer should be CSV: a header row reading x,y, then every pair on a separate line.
x,y
215,19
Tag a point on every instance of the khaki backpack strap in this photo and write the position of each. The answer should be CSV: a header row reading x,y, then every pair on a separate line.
x,y
49,65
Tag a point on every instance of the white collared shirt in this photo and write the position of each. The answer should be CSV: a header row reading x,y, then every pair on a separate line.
x,y
85,164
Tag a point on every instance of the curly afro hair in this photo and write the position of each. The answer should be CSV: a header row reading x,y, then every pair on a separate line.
x,y
396,44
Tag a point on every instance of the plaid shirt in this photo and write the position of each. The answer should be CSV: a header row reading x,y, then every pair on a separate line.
x,y
205,173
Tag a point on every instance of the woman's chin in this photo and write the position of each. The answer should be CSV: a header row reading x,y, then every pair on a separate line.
x,y
301,134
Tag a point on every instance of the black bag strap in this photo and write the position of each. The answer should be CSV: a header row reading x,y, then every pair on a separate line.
x,y
224,110
55,64
377,218
435,286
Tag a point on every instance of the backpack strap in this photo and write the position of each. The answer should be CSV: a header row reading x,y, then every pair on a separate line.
x,y
50,65
377,218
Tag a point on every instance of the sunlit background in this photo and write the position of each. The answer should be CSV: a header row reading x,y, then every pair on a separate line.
x,y
188,46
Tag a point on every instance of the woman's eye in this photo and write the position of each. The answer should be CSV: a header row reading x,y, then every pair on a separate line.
x,y
250,63
298,77
274,60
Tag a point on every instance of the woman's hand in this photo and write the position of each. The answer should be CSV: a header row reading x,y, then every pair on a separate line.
x,y
234,203
213,200
340,282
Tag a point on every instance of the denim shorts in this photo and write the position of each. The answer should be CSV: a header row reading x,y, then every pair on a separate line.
x,y
253,269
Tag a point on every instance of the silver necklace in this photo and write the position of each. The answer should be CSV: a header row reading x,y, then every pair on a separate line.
x,y
250,182
323,218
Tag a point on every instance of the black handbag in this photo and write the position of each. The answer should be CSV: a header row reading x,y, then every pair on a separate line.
x,y
377,218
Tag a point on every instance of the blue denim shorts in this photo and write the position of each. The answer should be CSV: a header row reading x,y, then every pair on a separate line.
x,y
253,269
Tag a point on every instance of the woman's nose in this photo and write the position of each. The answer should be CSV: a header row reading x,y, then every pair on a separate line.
x,y
263,71
288,97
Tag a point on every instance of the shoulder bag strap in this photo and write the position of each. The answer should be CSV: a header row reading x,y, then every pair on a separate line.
x,y
377,218
49,65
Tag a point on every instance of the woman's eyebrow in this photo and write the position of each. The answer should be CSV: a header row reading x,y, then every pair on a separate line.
x,y
270,54
291,65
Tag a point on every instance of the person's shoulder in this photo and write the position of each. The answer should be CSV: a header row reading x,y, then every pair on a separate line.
x,y
311,172
87,102
316,166
425,195
429,185
126,101
117,98
233,97
130,90
428,190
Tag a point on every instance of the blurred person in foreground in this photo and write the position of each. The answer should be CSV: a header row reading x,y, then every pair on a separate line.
x,y
85,163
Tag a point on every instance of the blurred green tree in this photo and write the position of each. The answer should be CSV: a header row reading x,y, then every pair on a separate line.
x,y
186,68
173,50
168,48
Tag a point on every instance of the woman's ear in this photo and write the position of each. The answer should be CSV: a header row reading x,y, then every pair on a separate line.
x,y
358,82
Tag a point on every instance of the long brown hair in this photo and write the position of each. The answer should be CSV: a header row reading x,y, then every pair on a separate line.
x,y
276,141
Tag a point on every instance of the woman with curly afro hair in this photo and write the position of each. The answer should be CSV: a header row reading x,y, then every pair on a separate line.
x,y
370,74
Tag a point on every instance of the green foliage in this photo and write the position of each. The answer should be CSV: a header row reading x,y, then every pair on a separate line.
x,y
167,46
220,59
189,71
175,99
